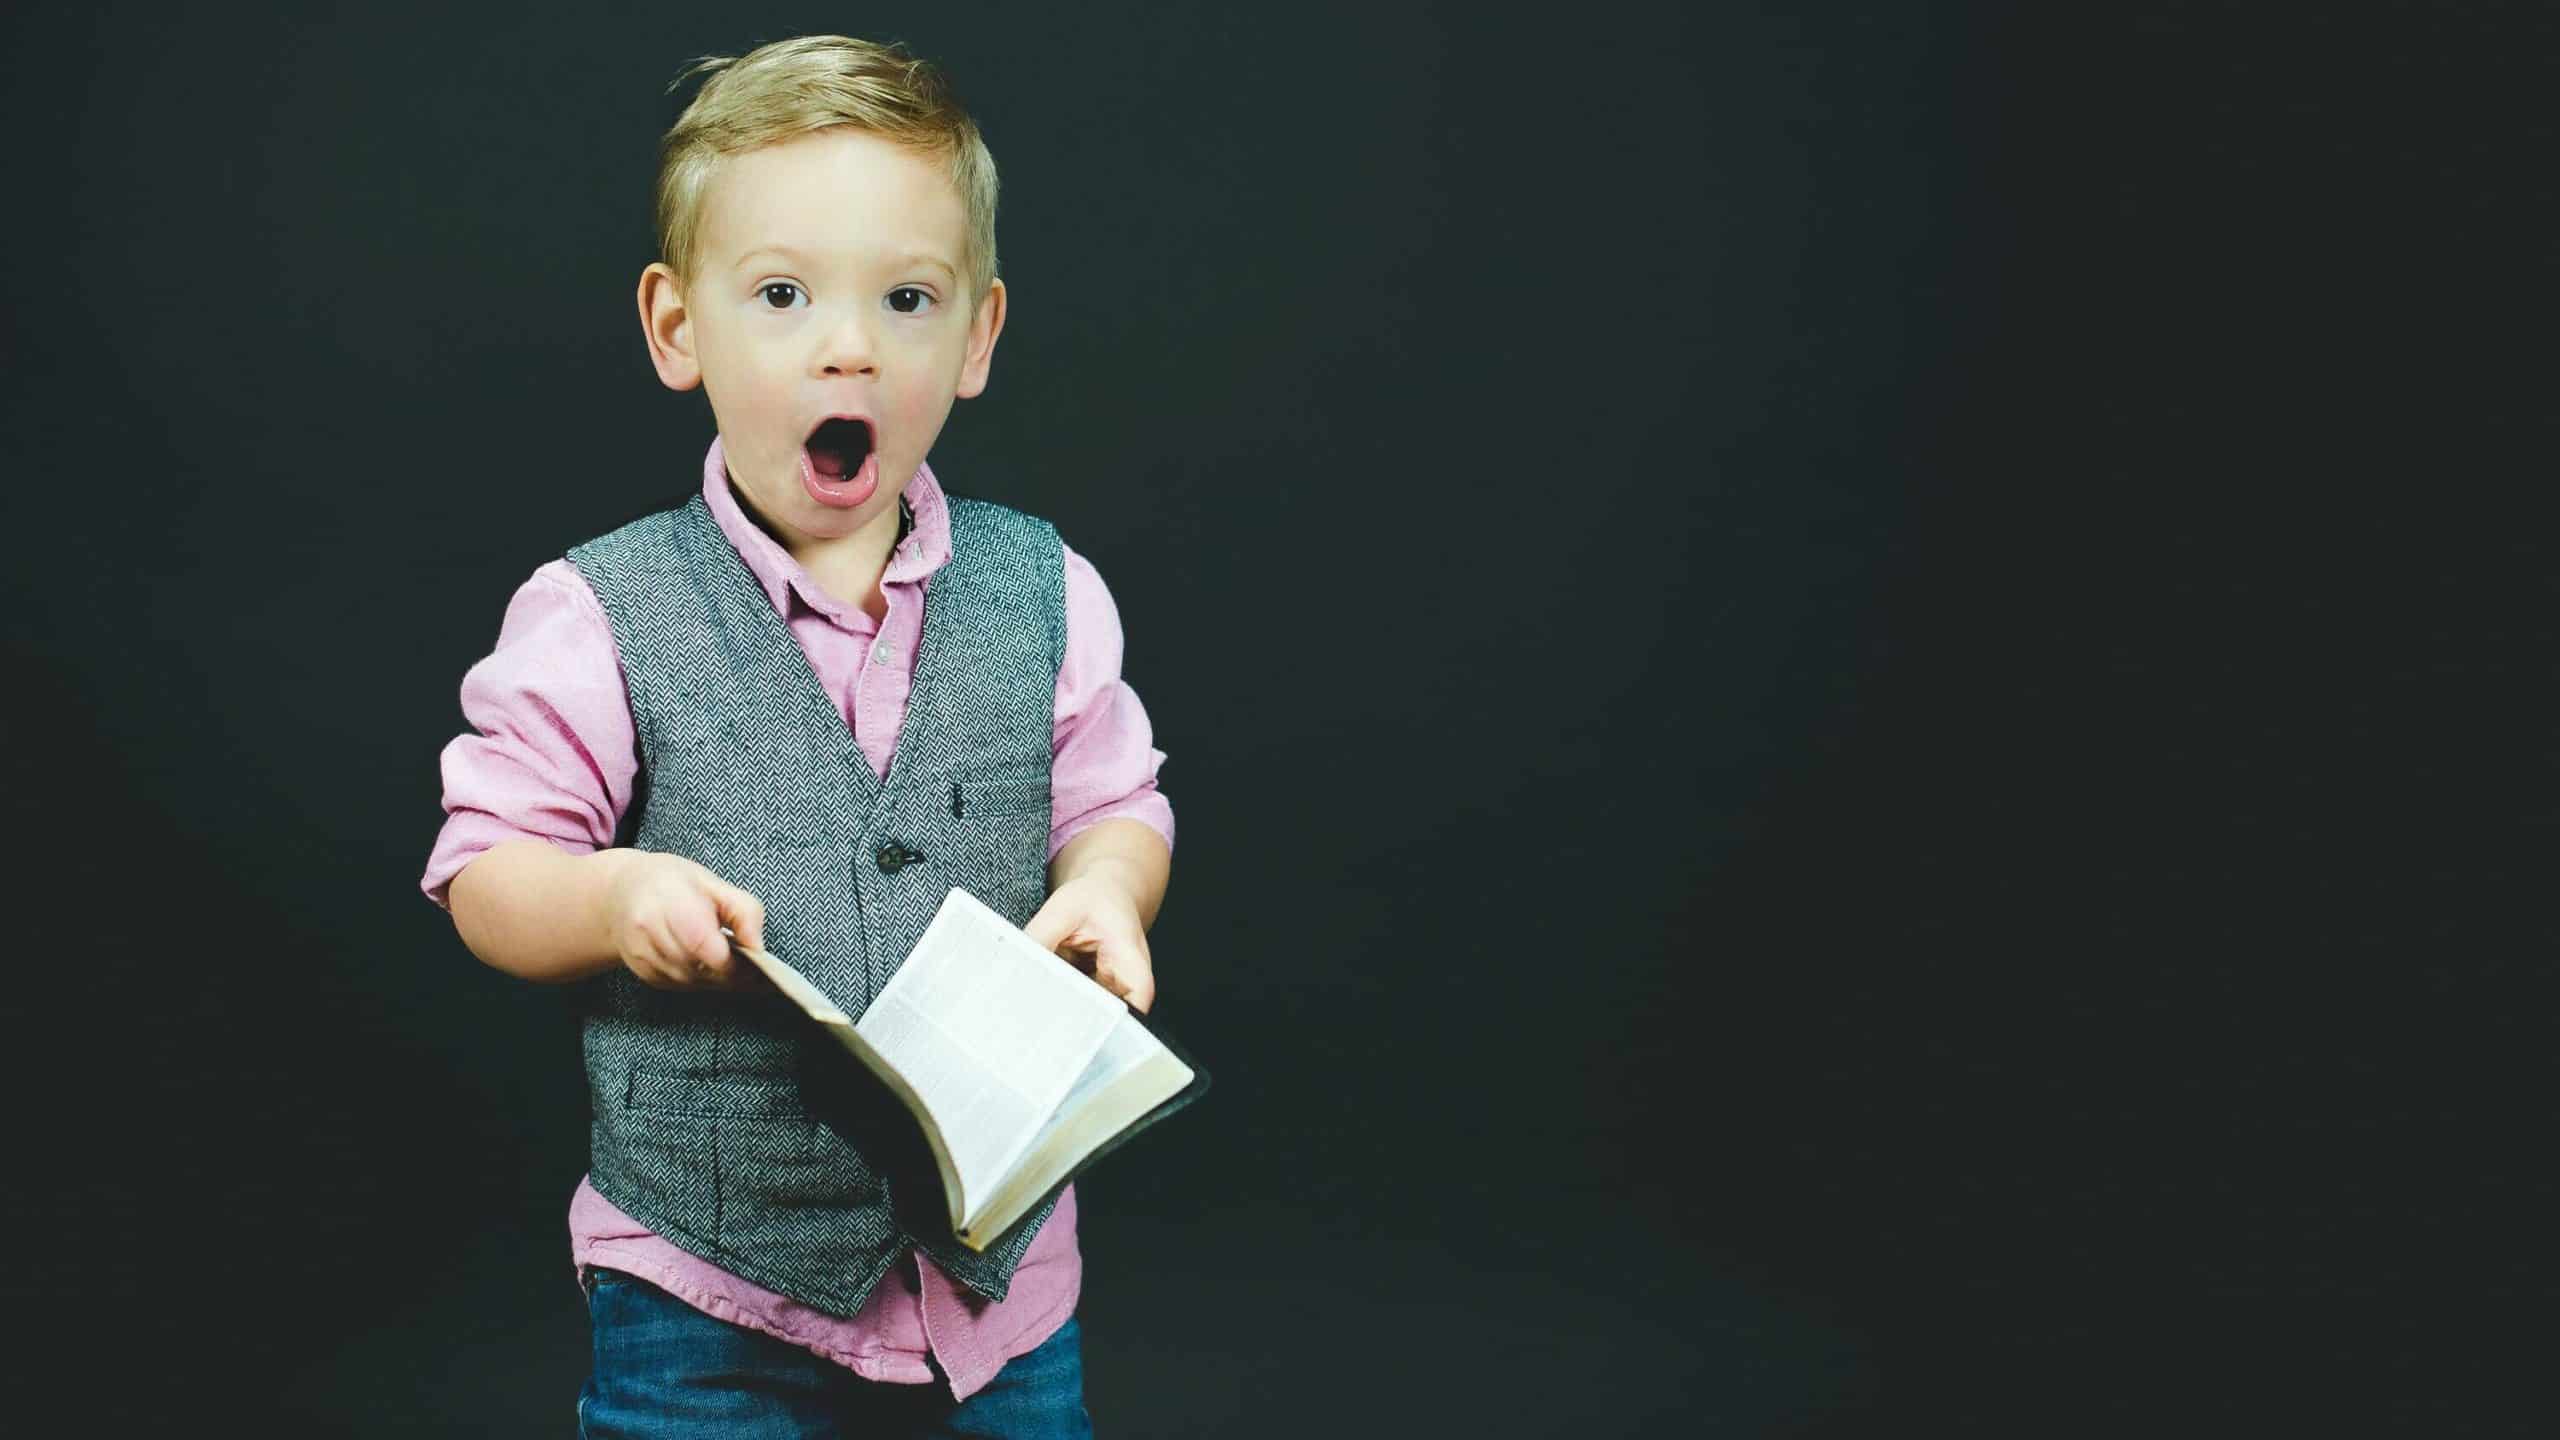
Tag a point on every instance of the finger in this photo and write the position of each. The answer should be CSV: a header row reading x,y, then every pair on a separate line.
x,y
1126,970
744,972
661,956
1079,949
705,951
1131,984
1141,993
746,918
1049,925
741,912
1142,988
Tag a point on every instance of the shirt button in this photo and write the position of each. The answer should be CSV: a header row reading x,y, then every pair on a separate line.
x,y
882,651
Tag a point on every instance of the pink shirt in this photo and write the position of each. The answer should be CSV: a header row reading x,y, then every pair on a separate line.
x,y
554,759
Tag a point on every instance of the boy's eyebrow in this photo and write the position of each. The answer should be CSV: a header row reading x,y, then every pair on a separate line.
x,y
787,253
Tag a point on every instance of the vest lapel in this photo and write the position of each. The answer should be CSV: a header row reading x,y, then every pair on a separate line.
x,y
770,662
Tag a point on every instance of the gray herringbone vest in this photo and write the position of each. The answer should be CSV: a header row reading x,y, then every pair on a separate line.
x,y
701,1128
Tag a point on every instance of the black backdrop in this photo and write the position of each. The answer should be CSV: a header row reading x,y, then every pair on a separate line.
x,y
1853,742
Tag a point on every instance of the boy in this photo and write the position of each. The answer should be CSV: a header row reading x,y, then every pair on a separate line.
x,y
801,705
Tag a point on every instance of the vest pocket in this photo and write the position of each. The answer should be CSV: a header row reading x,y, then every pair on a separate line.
x,y
676,1139
713,1095
791,1192
1010,790
997,843
665,1146
743,1153
1003,864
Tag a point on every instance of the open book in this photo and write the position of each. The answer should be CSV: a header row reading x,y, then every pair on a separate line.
x,y
1021,1070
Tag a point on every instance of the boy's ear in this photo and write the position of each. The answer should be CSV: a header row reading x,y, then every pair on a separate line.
x,y
983,329
668,325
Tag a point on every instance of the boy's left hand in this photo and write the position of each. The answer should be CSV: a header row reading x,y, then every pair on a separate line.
x,y
1091,922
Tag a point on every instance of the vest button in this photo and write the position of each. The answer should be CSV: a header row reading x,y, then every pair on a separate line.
x,y
894,856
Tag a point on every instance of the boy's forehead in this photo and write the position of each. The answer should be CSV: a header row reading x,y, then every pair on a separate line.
x,y
832,194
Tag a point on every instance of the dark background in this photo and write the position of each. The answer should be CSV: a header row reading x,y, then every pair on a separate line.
x,y
1854,719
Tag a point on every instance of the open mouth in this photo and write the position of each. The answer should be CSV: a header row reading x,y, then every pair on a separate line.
x,y
838,447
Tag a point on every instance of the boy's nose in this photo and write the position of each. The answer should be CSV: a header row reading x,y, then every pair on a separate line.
x,y
847,350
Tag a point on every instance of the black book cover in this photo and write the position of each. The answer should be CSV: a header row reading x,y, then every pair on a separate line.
x,y
840,1092
1177,1100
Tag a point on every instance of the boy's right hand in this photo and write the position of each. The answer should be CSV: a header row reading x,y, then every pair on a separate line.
x,y
663,914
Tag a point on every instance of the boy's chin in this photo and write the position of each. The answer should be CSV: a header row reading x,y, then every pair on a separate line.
x,y
854,496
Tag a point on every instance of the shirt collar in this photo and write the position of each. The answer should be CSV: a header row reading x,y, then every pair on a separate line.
x,y
926,548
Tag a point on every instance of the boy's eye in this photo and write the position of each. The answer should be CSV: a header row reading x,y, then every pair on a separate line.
x,y
787,290
908,300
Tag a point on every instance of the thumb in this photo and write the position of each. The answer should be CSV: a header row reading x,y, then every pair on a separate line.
x,y
741,912
1050,925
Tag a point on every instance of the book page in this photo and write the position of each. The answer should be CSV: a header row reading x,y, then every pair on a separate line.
x,y
1123,1050
990,1031
1128,1076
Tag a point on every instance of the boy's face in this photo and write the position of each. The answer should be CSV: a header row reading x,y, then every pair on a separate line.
x,y
829,285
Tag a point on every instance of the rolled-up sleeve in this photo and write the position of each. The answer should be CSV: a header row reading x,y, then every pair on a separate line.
x,y
551,755
1103,759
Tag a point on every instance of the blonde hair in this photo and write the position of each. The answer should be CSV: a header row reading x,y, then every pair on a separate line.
x,y
820,82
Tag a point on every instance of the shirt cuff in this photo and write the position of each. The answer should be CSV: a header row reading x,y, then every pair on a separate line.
x,y
466,834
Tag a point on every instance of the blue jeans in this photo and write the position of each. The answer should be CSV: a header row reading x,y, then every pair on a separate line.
x,y
664,1369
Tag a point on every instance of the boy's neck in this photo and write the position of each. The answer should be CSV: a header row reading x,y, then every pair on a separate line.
x,y
848,569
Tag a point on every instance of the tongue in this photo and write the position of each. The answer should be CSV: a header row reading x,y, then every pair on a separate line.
x,y
829,463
